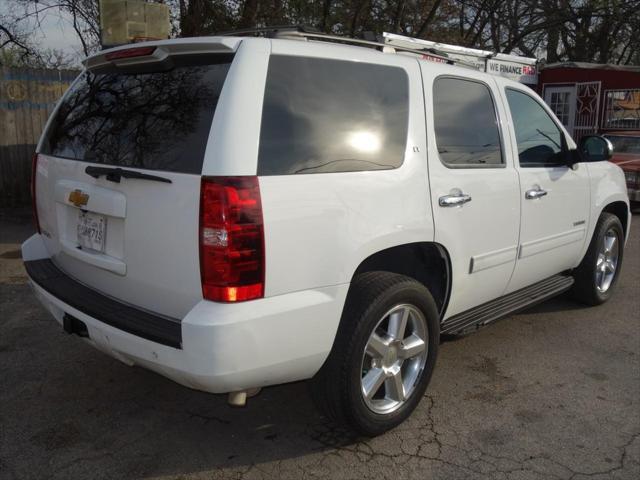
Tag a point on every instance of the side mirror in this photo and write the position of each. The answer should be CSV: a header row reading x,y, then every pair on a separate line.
x,y
595,148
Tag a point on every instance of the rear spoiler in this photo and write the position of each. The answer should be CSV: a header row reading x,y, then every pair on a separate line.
x,y
158,51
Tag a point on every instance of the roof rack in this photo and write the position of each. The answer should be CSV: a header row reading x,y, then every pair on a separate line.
x,y
300,32
515,67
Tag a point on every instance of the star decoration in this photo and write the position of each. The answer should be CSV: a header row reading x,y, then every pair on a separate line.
x,y
587,99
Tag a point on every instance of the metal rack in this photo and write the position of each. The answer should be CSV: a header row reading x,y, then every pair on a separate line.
x,y
298,32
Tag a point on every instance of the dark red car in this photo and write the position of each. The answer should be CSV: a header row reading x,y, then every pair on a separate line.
x,y
626,154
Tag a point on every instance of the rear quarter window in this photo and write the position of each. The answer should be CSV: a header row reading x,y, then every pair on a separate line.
x,y
323,115
158,120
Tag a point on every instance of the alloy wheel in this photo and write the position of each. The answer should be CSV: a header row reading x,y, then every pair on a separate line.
x,y
607,261
394,359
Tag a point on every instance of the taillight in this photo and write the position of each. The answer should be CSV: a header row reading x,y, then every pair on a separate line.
x,y
231,239
130,52
34,205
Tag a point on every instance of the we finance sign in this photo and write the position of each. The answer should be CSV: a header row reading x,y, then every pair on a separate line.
x,y
515,71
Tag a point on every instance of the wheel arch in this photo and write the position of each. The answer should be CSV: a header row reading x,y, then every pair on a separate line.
x,y
621,210
426,262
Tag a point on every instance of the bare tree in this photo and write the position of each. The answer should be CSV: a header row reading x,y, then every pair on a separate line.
x,y
581,30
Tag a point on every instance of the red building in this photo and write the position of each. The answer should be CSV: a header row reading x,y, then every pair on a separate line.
x,y
592,98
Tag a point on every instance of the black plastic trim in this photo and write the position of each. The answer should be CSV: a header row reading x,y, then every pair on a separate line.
x,y
154,327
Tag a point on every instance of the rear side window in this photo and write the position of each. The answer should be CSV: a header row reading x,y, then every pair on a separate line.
x,y
465,123
323,116
540,142
158,120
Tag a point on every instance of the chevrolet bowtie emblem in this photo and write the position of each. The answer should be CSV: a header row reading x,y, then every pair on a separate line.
x,y
79,198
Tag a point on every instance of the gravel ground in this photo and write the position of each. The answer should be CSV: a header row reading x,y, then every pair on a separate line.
x,y
553,392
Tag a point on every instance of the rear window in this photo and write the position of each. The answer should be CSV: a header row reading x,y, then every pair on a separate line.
x,y
322,115
157,120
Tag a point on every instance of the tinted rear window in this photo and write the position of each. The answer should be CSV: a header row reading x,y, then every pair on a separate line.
x,y
158,120
323,115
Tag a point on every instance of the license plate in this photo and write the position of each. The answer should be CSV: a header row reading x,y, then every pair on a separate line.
x,y
92,229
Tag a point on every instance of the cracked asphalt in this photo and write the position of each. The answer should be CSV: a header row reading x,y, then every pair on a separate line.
x,y
550,393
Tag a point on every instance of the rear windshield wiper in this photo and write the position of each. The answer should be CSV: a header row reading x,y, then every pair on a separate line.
x,y
116,173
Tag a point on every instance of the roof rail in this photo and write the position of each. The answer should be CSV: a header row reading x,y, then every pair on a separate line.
x,y
269,32
300,32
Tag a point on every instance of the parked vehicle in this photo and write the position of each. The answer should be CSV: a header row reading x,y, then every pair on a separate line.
x,y
626,154
237,212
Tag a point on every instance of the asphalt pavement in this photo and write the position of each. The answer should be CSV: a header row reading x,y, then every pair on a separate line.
x,y
550,393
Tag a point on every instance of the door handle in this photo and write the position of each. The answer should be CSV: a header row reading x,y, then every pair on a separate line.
x,y
535,193
454,200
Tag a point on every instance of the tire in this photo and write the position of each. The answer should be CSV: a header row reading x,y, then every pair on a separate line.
x,y
589,287
376,302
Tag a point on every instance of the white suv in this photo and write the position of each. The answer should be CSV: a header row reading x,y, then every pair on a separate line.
x,y
238,212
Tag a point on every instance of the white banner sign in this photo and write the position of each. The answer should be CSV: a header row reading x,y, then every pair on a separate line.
x,y
514,67
515,71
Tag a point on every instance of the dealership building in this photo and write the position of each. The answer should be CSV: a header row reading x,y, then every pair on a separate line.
x,y
592,98
587,97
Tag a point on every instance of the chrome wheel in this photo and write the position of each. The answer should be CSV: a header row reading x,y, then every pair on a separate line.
x,y
394,359
607,261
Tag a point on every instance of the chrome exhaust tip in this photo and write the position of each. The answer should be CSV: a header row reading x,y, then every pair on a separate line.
x,y
239,399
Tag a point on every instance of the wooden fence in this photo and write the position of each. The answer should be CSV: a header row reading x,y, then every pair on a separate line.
x,y
27,98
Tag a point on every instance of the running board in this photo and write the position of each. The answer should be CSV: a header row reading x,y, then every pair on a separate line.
x,y
486,313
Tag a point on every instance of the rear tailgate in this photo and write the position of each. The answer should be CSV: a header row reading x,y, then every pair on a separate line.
x,y
131,234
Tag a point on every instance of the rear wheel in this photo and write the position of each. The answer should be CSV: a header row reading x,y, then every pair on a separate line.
x,y
598,272
383,355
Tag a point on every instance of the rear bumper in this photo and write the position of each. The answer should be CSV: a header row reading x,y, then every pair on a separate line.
x,y
223,347
157,328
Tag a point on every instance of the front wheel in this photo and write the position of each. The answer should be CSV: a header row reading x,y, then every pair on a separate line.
x,y
383,355
598,272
